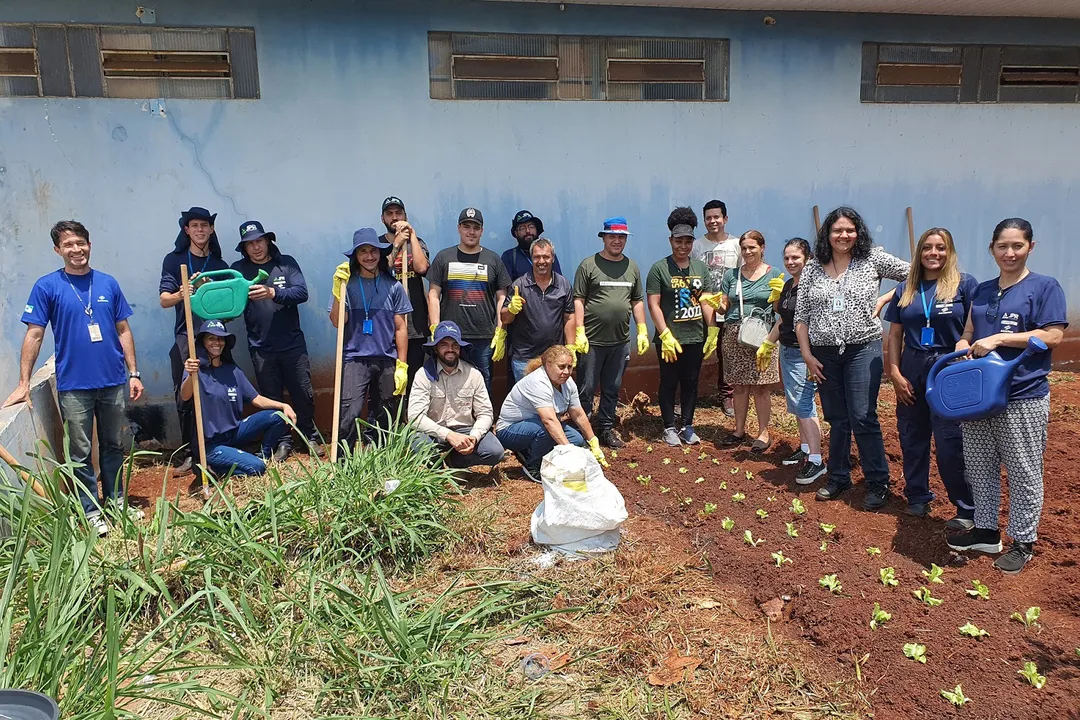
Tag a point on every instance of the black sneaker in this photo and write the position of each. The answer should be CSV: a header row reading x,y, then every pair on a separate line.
x,y
794,458
834,489
960,523
609,437
976,539
1018,556
810,472
920,510
532,472
876,497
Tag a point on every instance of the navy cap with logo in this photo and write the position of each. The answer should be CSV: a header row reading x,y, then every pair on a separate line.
x,y
391,202
471,214
446,329
524,216
253,230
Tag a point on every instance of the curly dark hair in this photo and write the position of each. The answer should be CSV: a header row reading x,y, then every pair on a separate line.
x,y
681,216
863,241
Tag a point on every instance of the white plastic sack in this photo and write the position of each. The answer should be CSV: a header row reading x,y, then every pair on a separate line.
x,y
581,510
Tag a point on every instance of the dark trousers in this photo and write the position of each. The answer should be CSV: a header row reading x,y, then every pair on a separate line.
x,y
602,367
79,409
682,375
277,372
849,404
723,389
489,451
916,424
185,410
414,358
371,380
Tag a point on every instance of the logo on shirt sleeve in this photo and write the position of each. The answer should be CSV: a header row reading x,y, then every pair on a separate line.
x,y
28,309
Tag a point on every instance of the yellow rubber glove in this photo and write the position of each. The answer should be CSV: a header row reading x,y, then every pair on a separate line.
x,y
341,277
498,344
517,303
710,342
594,446
711,299
764,355
642,338
669,346
573,356
581,343
401,376
776,285
432,328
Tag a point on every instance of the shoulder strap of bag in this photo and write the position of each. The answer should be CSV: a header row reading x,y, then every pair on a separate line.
x,y
738,291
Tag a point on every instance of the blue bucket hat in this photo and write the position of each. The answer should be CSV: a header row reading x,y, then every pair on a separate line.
x,y
253,230
447,329
366,236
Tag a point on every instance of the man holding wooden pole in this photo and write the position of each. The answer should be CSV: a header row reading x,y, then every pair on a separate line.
x,y
408,258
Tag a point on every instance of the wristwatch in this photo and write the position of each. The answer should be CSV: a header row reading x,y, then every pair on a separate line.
x,y
134,375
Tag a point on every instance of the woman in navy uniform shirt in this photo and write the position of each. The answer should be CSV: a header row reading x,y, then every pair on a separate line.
x,y
1005,313
928,312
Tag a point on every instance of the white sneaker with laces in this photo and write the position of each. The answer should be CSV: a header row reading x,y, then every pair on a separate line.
x,y
97,524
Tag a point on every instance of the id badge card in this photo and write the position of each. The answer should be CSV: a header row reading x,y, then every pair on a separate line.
x,y
838,303
927,336
369,327
95,332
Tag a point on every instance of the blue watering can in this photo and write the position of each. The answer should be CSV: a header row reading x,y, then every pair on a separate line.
x,y
975,389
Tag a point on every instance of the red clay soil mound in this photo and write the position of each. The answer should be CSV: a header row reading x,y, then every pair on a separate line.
x,y
838,624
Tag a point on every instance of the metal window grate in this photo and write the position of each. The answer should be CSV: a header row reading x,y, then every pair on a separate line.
x,y
494,66
128,62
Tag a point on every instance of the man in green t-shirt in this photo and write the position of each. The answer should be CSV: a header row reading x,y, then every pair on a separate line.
x,y
607,291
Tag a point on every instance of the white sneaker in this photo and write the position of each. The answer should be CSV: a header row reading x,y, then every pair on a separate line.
x,y
97,524
133,513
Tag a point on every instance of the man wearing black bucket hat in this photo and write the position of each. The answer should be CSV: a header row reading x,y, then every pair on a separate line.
x,y
401,236
196,246
277,344
526,228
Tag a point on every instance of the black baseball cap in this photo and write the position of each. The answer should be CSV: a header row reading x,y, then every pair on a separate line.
x,y
471,214
392,201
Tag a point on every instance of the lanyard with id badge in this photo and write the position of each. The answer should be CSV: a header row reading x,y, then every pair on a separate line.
x,y
368,327
927,338
92,326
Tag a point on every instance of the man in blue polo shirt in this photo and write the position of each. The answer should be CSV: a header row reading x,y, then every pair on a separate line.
x,y
539,310
526,228
196,246
276,342
95,364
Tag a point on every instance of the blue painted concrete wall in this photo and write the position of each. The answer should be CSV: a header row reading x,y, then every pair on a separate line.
x,y
345,119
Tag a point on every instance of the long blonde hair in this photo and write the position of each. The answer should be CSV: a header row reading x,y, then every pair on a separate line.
x,y
550,355
948,279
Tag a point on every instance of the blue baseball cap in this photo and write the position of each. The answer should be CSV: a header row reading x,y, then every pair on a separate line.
x,y
447,329
366,236
615,226
253,230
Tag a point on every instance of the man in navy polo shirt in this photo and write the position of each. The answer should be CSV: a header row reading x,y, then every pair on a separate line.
x,y
196,246
95,364
526,228
276,342
539,310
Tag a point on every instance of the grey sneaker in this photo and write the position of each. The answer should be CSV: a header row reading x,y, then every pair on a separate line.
x,y
689,436
1016,558
671,437
960,523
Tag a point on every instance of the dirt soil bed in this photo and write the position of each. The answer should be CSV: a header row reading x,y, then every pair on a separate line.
x,y
838,625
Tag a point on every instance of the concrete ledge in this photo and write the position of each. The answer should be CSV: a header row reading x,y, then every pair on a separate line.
x,y
23,429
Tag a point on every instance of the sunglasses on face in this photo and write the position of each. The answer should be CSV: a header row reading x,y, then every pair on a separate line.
x,y
992,308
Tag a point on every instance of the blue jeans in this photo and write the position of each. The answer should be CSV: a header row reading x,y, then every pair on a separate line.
x,y
478,354
489,451
798,388
849,404
530,438
602,367
223,456
517,370
79,409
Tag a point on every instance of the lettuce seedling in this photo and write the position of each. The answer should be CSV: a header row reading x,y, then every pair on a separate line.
x,y
644,480
687,501
710,508
683,470
823,546
872,551
1029,618
748,537
666,461
797,506
956,697
830,583
733,470
648,448
935,574
664,490
1031,674
826,527
723,485
728,524
879,617
780,559
792,531
749,475
703,456
923,593
971,630
981,591
888,577
738,497
762,514
631,465
686,451
916,652
699,481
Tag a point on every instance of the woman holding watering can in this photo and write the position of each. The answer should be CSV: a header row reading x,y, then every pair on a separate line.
x,y
1005,313
928,312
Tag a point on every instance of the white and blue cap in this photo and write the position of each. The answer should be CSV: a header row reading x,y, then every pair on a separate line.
x,y
446,329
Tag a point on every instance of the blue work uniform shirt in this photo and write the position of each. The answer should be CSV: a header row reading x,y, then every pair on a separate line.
x,y
1034,303
273,325
385,299
518,262
224,390
947,318
170,280
61,300
540,323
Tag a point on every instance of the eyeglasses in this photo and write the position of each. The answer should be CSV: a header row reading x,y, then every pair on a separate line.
x,y
992,308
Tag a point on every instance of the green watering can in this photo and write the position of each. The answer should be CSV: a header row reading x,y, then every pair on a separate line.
x,y
223,299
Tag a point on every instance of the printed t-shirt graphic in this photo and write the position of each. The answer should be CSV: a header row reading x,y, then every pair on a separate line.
x,y
680,290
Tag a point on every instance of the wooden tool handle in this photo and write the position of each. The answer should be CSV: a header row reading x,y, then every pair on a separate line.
x,y
334,433
185,287
817,220
26,478
911,233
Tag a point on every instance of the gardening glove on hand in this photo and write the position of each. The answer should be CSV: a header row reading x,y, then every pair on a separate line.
x,y
711,299
516,303
341,277
581,343
776,285
431,328
669,346
764,355
710,342
498,344
642,338
594,446
401,376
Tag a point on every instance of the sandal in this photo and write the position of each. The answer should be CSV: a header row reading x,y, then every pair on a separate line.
x,y
760,447
732,440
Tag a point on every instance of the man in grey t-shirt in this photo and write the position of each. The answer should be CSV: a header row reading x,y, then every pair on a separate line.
x,y
719,250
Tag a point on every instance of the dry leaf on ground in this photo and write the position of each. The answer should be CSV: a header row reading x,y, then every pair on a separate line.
x,y
674,668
